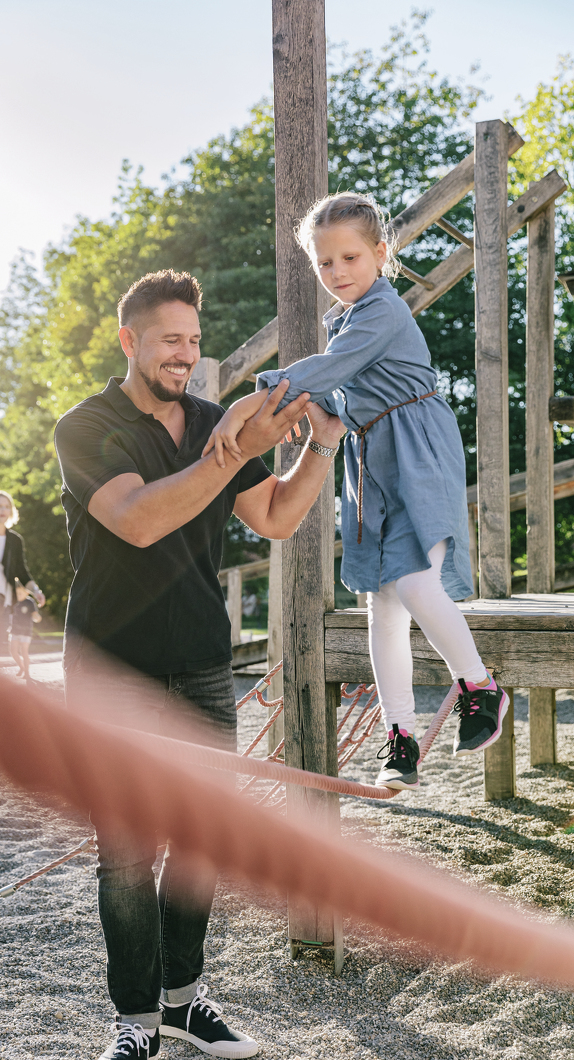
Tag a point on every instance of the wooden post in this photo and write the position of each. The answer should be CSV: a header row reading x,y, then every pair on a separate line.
x,y
204,382
234,609
499,760
300,91
542,718
539,390
473,545
274,628
540,455
491,280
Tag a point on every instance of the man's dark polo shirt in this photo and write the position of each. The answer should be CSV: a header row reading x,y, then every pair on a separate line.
x,y
161,608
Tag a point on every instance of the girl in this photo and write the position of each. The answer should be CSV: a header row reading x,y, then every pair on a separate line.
x,y
404,516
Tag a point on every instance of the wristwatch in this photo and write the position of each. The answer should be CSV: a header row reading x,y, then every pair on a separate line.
x,y
322,450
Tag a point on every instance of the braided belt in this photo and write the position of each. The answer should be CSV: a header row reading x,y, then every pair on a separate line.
x,y
361,433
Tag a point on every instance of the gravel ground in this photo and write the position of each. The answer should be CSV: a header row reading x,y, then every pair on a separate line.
x,y
389,1002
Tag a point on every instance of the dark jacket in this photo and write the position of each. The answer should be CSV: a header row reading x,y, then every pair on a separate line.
x,y
14,560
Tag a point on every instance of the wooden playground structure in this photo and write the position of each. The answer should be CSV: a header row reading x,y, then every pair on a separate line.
x,y
527,638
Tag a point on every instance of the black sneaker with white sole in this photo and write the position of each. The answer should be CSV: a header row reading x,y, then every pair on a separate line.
x,y
480,715
199,1022
402,756
133,1043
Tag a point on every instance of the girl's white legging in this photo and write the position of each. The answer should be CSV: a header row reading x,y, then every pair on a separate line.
x,y
421,595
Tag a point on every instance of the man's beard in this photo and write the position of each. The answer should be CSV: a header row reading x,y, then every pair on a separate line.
x,y
158,390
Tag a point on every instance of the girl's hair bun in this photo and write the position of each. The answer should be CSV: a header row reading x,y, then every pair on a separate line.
x,y
348,207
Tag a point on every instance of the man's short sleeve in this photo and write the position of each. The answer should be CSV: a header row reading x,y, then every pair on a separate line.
x,y
90,454
254,472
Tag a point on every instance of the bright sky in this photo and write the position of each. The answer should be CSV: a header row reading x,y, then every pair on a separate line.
x,y
86,83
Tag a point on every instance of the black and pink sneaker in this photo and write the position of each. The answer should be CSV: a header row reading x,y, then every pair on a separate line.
x,y
480,715
402,757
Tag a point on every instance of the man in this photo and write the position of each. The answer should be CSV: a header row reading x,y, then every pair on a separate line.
x,y
146,515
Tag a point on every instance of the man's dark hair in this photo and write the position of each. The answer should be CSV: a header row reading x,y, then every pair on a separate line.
x,y
154,290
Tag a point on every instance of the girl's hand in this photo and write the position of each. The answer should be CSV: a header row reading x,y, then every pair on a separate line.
x,y
224,434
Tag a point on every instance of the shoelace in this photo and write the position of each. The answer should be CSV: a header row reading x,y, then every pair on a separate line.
x,y
132,1034
470,700
200,1001
397,749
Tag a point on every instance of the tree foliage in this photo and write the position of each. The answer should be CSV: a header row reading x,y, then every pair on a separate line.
x,y
395,127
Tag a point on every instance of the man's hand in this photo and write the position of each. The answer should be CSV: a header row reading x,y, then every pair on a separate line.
x,y
264,430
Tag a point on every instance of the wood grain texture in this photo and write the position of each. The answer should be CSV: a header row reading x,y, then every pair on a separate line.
x,y
539,389
204,382
240,364
542,722
491,317
561,410
443,195
300,93
500,760
563,485
461,261
275,628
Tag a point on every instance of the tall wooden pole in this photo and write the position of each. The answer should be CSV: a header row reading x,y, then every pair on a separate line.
x,y
540,455
491,279
491,297
300,90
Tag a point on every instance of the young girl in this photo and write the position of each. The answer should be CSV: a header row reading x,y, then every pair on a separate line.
x,y
404,515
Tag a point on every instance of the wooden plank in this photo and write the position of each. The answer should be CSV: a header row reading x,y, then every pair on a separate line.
x,y
461,261
275,629
443,195
500,760
561,410
240,364
491,315
455,232
204,382
249,653
300,94
539,389
234,609
563,485
473,544
542,723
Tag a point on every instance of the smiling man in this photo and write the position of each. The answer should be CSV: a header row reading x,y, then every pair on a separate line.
x,y
146,515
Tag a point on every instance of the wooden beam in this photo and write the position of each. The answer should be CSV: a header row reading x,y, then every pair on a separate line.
x,y
234,603
561,410
415,277
499,760
240,364
275,629
455,232
300,93
204,382
542,724
491,314
539,389
461,261
563,486
443,195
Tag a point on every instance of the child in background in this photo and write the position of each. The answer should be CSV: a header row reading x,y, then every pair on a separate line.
x,y
404,514
24,613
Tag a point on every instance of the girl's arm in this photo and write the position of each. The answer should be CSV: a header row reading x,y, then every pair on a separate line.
x,y
36,617
366,339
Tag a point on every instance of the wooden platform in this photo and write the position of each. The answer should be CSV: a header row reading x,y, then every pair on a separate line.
x,y
528,640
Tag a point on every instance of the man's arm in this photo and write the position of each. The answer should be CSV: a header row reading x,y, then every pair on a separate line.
x,y
276,507
142,514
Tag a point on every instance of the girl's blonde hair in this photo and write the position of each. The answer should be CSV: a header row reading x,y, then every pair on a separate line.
x,y
361,211
14,517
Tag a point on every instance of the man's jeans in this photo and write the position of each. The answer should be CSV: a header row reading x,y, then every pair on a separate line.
x,y
154,939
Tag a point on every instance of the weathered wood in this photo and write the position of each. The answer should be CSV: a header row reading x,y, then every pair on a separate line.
x,y
250,653
300,93
542,722
461,261
473,544
500,759
563,486
204,382
533,611
240,364
539,389
567,281
561,410
455,232
443,195
274,629
416,278
491,301
234,610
